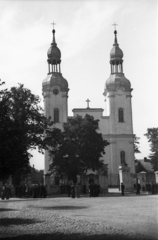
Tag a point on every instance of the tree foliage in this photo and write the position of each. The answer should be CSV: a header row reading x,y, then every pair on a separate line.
x,y
78,147
152,136
22,126
136,144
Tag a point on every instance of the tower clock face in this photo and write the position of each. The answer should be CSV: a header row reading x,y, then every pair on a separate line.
x,y
55,91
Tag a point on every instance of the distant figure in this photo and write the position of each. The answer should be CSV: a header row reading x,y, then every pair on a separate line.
x,y
73,190
61,186
27,191
122,189
153,188
91,189
69,189
78,190
84,188
5,192
138,188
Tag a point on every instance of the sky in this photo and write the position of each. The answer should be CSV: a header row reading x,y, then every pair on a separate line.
x,y
84,34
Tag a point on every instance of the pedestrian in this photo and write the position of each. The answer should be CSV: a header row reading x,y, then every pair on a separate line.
x,y
153,188
138,188
69,189
91,189
78,190
73,190
27,191
61,186
3,192
84,188
122,189
34,191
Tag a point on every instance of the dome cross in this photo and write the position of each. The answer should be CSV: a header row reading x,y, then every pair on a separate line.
x,y
114,24
53,24
88,101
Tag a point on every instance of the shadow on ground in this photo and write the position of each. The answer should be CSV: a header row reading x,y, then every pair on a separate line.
x,y
59,236
65,207
6,222
7,209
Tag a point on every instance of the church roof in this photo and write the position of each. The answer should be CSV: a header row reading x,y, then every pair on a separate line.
x,y
116,81
146,164
55,79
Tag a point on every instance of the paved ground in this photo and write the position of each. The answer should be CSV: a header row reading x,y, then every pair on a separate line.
x,y
105,217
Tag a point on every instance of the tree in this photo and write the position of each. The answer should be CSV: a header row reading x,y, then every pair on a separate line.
x,y
78,147
136,144
152,136
22,127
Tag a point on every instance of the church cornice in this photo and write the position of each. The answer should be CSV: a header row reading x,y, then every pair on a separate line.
x,y
105,117
114,136
87,110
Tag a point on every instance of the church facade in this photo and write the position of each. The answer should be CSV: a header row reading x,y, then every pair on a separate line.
x,y
117,127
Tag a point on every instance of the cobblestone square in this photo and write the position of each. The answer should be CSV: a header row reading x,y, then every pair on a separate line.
x,y
107,217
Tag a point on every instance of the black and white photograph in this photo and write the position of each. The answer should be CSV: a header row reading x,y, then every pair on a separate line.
x,y
78,119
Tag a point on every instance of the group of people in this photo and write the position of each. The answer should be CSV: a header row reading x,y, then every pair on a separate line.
x,y
75,190
148,187
70,186
94,189
5,192
35,191
24,190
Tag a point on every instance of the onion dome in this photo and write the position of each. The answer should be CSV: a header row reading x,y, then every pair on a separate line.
x,y
54,54
117,81
55,80
116,52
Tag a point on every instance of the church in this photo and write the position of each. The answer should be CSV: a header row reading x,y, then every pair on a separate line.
x,y
116,127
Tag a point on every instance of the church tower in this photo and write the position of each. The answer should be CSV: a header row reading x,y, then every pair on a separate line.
x,y
118,91
55,92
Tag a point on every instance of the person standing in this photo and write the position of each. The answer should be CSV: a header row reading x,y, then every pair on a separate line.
x,y
91,189
122,189
78,190
84,188
73,190
138,188
61,186
69,189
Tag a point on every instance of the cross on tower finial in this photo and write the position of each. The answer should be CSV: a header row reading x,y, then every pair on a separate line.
x,y
88,101
114,24
53,24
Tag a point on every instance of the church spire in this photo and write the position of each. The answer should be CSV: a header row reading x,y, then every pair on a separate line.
x,y
53,31
53,41
117,79
116,56
54,56
115,40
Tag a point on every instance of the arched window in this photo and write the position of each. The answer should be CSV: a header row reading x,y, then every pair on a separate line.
x,y
56,115
122,158
120,115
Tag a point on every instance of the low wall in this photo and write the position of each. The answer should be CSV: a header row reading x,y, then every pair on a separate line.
x,y
53,189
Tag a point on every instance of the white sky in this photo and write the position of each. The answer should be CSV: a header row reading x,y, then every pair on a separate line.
x,y
84,34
